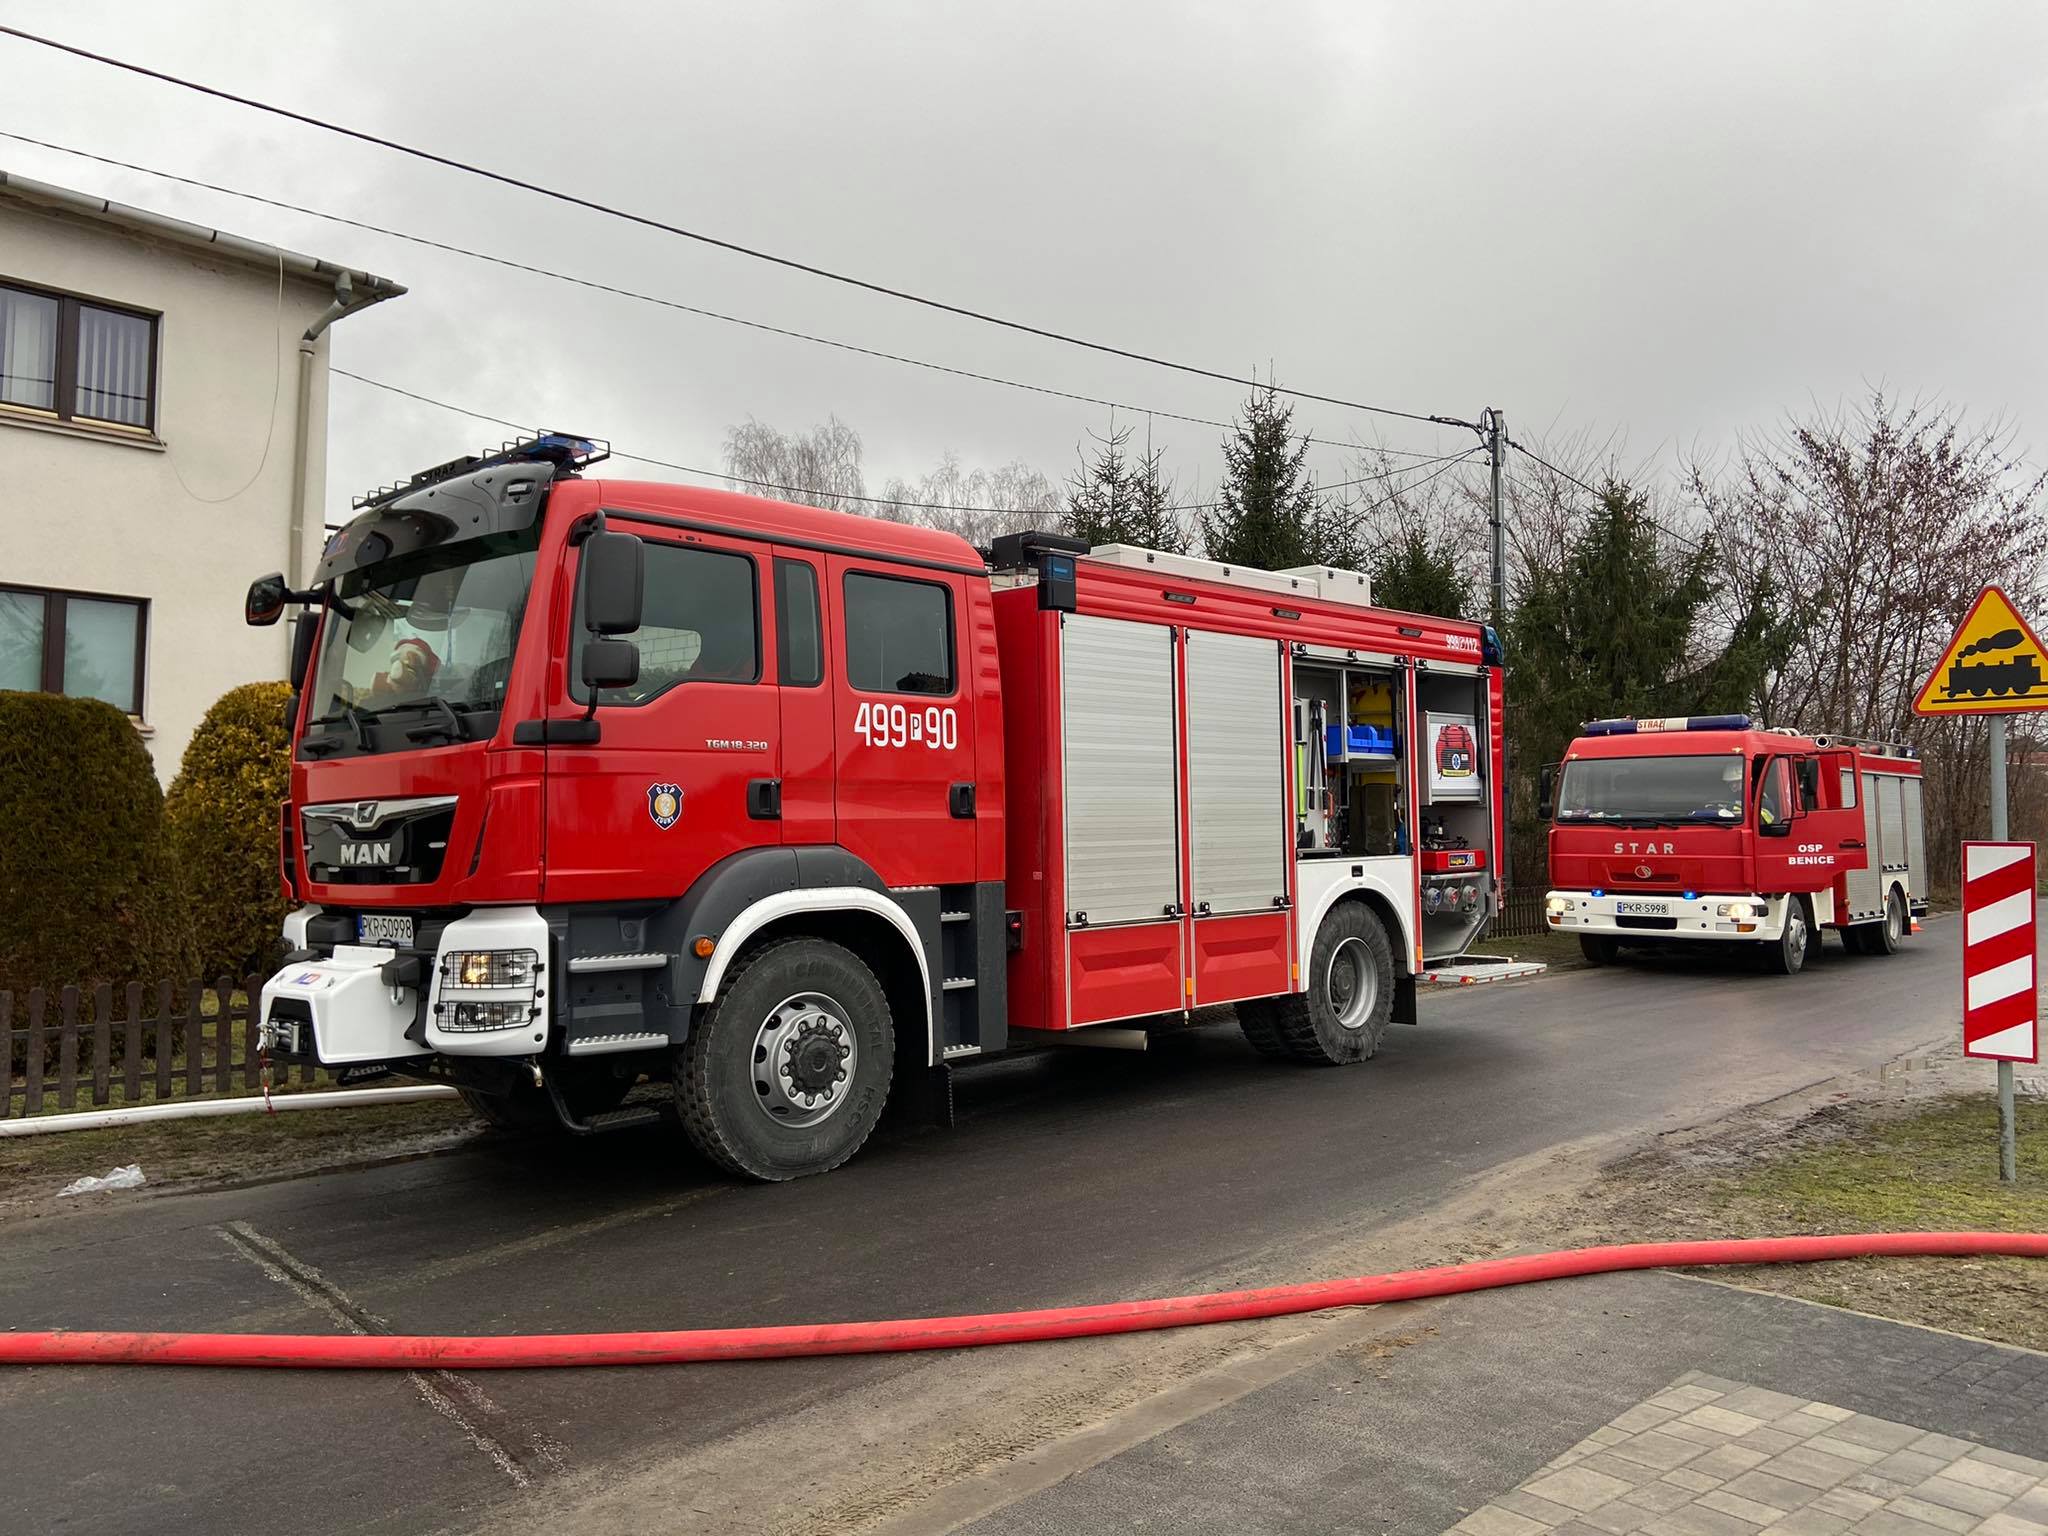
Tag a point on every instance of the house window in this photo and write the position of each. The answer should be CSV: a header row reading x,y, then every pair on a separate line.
x,y
75,359
77,643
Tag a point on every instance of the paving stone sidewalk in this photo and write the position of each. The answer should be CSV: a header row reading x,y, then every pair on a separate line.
x,y
1711,1457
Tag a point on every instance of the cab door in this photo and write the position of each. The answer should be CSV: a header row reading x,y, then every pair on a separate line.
x,y
903,724
671,785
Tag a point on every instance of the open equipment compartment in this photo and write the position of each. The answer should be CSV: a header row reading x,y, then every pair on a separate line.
x,y
1453,713
1350,760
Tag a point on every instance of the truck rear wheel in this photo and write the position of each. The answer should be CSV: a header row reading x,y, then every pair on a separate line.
x,y
1884,938
1350,995
1258,1021
1786,954
787,1073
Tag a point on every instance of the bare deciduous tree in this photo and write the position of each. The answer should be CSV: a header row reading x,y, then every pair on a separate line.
x,y
821,467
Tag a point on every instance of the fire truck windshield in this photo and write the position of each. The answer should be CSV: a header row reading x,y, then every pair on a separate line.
x,y
434,632
1652,790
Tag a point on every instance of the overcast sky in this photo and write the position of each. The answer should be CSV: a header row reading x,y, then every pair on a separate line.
x,y
1666,223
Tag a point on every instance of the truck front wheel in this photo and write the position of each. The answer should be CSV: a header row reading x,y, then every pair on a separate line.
x,y
1350,996
1598,948
1786,955
786,1074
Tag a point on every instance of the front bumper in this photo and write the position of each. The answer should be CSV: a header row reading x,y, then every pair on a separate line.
x,y
360,1004
1698,917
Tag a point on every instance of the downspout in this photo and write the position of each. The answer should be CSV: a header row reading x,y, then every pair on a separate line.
x,y
295,543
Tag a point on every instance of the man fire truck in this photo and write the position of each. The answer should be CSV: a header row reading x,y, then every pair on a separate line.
x,y
775,808
1709,829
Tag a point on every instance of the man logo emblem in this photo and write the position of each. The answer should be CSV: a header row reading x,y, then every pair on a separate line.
x,y
665,804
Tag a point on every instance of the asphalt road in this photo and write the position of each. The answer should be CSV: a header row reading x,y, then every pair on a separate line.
x,y
1071,1176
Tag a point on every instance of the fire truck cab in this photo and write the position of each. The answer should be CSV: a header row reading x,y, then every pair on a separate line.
x,y
1710,829
615,801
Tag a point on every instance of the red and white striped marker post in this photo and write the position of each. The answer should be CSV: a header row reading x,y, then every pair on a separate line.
x,y
2001,978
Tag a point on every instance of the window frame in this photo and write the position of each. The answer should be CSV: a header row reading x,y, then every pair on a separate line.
x,y
56,601
846,619
64,410
581,695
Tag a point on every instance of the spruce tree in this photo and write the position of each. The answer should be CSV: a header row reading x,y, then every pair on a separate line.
x,y
1266,514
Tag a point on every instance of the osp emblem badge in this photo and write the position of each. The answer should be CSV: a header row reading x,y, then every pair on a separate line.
x,y
665,804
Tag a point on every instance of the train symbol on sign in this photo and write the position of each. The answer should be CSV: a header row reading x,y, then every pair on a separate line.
x,y
1994,679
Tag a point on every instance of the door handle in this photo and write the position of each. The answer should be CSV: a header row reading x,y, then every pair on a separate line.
x,y
1201,909
1852,842
764,799
960,801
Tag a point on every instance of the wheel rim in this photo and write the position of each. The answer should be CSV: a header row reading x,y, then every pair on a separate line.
x,y
1894,922
1795,934
805,1058
1352,983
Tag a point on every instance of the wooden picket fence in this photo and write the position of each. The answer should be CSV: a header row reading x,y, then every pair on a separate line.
x,y
71,1049
1521,915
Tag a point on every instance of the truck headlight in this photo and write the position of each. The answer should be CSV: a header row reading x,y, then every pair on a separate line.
x,y
478,1017
489,968
1738,909
1557,906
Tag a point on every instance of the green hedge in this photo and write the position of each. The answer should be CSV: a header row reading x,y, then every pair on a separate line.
x,y
89,888
222,817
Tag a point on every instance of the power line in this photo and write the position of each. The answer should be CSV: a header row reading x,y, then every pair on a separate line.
x,y
647,221
1449,460
649,298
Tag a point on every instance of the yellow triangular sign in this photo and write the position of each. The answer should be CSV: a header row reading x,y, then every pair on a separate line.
x,y
1995,665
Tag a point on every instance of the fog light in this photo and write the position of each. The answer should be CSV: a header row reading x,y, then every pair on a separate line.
x,y
478,1017
489,967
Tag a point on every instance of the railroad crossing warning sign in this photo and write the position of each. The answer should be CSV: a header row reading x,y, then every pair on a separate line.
x,y
1995,665
2001,1003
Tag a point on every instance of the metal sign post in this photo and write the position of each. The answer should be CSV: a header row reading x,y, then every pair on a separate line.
x,y
1995,665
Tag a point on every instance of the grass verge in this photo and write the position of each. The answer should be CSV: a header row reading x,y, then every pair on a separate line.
x,y
1927,1166
200,1151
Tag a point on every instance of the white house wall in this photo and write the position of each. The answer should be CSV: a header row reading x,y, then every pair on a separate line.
x,y
91,515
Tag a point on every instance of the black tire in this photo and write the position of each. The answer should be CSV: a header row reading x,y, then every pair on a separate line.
x,y
1258,1022
1886,936
800,1010
1599,949
1856,938
588,1087
1350,996
1786,955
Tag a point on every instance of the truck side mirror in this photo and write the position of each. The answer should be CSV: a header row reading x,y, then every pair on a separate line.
x,y
1809,784
1546,784
614,571
265,603
303,628
609,664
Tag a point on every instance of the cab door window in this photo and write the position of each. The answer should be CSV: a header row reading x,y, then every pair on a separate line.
x,y
700,622
899,635
1774,801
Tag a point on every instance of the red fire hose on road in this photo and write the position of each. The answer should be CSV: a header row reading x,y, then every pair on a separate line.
x,y
522,1351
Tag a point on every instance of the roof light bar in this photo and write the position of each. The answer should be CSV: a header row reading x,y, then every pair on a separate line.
x,y
568,451
1631,727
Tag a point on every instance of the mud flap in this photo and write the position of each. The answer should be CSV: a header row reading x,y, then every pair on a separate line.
x,y
922,1096
1406,1009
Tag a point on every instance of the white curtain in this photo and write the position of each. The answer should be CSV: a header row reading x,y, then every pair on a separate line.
x,y
28,349
113,366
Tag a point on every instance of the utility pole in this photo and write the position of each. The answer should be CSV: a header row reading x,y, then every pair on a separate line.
x,y
1497,452
1497,455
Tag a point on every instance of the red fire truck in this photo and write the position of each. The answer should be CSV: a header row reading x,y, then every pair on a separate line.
x,y
1709,829
606,791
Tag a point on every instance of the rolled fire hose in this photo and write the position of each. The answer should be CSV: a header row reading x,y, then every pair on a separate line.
x,y
523,1351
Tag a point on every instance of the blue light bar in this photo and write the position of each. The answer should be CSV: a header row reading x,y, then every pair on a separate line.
x,y
1631,727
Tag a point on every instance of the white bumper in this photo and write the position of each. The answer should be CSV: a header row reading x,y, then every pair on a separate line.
x,y
356,1017
1701,917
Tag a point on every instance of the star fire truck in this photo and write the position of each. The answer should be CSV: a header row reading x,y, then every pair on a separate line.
x,y
1710,829
605,792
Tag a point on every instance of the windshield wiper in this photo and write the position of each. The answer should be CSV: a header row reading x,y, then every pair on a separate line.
x,y
356,719
451,728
